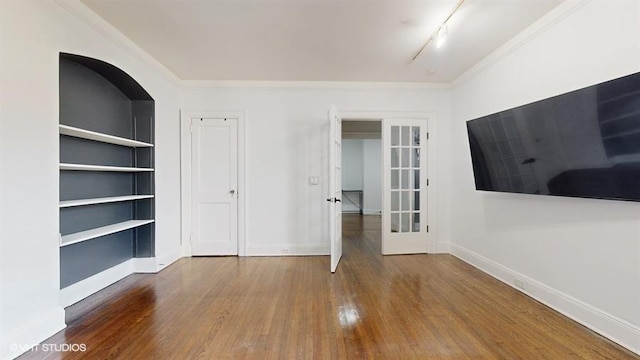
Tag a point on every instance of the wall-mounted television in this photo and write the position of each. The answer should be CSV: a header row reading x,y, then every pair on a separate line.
x,y
585,143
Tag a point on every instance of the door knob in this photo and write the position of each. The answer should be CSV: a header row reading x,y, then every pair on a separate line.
x,y
232,192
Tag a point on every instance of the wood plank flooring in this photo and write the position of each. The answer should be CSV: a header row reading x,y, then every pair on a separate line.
x,y
374,307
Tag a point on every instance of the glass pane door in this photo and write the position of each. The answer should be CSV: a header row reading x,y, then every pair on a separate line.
x,y
404,184
404,175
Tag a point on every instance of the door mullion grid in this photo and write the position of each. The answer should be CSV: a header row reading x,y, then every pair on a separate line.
x,y
412,179
398,179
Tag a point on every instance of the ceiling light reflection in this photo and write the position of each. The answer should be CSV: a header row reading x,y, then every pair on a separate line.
x,y
348,315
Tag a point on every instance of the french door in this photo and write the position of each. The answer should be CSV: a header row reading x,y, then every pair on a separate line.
x,y
404,183
335,187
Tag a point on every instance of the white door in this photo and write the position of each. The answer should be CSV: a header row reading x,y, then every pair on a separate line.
x,y
214,182
404,185
335,187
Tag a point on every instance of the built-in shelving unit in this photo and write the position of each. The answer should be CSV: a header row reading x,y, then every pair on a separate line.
x,y
107,201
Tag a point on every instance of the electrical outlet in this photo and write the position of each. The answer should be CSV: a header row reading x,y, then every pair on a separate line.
x,y
520,284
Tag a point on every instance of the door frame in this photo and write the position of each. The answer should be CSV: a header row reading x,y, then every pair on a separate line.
x,y
354,115
185,175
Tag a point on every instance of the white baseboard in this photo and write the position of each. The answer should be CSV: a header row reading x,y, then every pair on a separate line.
x,y
608,325
39,328
145,265
45,325
289,250
371,211
443,248
80,290
169,257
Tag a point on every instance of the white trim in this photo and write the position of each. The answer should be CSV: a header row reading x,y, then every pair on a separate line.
x,y
311,85
549,20
608,325
372,115
289,250
86,15
147,265
32,332
185,174
84,288
185,182
371,211
168,258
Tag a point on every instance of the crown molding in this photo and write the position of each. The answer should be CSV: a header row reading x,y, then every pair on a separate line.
x,y
311,85
86,15
89,17
549,20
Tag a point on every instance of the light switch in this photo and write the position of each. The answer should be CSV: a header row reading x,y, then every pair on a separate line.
x,y
314,180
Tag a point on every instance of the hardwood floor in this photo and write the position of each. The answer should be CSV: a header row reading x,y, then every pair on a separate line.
x,y
374,307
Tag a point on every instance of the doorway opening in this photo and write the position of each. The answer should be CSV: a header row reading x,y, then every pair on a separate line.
x,y
362,180
402,173
392,154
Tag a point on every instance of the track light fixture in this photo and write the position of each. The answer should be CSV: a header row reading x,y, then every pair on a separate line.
x,y
440,34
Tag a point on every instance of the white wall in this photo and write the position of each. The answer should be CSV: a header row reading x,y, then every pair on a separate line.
x,y
352,167
372,176
581,256
352,164
362,170
286,137
32,35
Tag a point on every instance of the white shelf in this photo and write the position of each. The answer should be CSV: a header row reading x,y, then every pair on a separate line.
x,y
75,238
103,200
96,136
82,167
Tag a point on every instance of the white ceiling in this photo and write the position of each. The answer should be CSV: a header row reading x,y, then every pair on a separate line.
x,y
317,40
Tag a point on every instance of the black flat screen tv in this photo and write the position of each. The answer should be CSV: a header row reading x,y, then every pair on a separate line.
x,y
585,143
